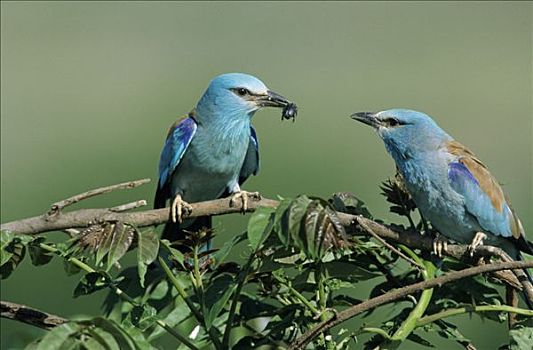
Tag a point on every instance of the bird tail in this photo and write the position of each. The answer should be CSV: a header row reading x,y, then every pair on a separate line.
x,y
161,196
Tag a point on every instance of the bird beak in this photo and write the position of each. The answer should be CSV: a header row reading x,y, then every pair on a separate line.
x,y
368,118
272,99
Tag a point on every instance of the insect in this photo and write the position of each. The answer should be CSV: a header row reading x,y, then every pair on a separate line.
x,y
289,112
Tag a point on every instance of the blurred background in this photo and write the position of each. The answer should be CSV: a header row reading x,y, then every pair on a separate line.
x,y
88,90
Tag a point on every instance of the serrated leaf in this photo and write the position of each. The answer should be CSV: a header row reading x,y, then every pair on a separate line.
x,y
122,238
90,283
396,193
59,336
5,239
260,226
16,249
105,244
147,249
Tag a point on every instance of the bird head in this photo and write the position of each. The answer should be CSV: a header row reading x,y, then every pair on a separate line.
x,y
405,132
237,95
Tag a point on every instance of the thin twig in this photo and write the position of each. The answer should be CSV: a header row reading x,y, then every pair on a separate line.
x,y
369,229
58,206
128,206
369,304
469,309
30,315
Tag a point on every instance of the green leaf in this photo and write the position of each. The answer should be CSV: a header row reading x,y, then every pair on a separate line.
x,y
90,283
59,336
102,338
180,313
143,317
38,255
259,226
148,247
123,339
521,335
5,239
281,209
139,339
217,296
347,202
292,220
122,238
220,255
14,254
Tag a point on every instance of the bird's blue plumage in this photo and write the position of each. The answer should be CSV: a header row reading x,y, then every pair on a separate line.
x,y
177,142
478,204
450,186
214,150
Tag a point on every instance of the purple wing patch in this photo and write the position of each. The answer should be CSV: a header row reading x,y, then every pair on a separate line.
x,y
458,172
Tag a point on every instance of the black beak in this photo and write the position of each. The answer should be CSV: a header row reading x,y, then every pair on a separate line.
x,y
273,99
368,118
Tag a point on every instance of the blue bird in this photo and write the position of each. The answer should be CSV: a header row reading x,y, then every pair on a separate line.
x,y
448,183
213,150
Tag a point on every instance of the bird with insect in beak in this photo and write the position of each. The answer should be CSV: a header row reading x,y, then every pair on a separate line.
x,y
449,184
212,151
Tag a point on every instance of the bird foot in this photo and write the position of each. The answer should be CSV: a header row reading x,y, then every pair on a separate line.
x,y
476,242
179,207
244,196
439,246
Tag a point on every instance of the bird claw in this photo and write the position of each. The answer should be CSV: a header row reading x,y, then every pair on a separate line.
x,y
179,207
476,242
439,246
244,196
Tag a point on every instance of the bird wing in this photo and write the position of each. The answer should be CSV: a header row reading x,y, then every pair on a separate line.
x,y
178,139
483,196
251,160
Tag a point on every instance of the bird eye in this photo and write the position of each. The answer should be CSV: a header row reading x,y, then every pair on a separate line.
x,y
242,92
392,122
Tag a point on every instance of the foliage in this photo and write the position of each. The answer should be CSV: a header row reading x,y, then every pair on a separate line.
x,y
298,266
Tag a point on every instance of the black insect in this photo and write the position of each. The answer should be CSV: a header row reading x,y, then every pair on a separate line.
x,y
289,112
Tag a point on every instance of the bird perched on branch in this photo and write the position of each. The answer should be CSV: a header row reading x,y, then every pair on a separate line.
x,y
450,186
213,150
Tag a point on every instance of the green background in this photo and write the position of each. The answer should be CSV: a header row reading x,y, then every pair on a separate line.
x,y
88,90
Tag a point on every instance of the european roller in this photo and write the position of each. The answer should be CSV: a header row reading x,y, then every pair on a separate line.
x,y
451,187
214,149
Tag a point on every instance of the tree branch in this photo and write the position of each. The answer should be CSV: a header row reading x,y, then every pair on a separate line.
x,y
87,217
396,294
58,206
30,315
